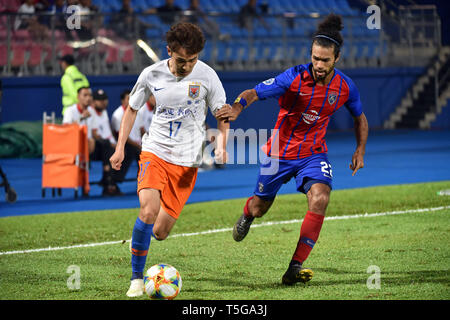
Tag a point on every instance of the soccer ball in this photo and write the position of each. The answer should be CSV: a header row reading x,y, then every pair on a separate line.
x,y
162,281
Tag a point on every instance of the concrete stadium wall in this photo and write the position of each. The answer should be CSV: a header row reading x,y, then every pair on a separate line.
x,y
381,89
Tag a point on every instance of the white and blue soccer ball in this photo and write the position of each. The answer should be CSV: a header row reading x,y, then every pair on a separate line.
x,y
162,282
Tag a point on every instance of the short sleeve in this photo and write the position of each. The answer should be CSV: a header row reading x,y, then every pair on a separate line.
x,y
276,87
353,103
140,92
216,97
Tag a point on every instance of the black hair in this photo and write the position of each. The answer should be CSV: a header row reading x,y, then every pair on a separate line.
x,y
328,33
124,93
79,89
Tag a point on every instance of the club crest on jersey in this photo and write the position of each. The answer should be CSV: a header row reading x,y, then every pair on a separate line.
x,y
332,98
194,91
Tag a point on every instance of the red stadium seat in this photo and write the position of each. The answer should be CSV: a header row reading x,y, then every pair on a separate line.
x,y
128,54
36,57
21,35
18,54
3,56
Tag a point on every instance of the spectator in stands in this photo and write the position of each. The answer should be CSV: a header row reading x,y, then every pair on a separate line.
x,y
99,112
29,21
196,15
99,149
71,81
169,12
248,13
88,19
57,10
133,144
125,23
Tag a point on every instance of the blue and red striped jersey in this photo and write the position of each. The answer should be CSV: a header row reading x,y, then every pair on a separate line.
x,y
305,110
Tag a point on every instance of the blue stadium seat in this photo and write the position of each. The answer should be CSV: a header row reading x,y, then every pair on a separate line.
x,y
114,5
222,52
206,54
207,5
234,5
221,6
285,6
345,8
183,4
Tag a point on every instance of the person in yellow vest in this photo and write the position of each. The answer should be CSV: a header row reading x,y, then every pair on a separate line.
x,y
71,81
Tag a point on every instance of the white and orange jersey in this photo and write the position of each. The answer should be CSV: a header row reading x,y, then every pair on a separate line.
x,y
177,130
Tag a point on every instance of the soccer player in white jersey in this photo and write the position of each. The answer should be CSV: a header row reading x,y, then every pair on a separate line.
x,y
184,88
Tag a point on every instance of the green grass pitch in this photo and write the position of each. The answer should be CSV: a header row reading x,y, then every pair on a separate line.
x,y
409,249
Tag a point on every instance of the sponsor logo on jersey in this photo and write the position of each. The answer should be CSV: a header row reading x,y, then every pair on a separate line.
x,y
194,91
309,118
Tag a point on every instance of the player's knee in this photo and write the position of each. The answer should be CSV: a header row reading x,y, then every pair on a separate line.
x,y
319,200
148,213
160,235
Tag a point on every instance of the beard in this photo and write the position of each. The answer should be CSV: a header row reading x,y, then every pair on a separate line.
x,y
322,74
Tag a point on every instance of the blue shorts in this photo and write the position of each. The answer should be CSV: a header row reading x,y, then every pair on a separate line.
x,y
273,173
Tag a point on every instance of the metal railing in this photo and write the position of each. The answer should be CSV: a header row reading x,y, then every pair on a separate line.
x,y
114,43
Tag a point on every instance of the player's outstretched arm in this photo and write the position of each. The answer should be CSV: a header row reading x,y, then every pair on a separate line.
x,y
127,123
245,99
361,133
220,151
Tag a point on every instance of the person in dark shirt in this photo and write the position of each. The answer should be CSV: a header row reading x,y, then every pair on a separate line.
x,y
248,13
169,12
196,15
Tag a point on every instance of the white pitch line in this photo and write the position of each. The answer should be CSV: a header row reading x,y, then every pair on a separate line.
x,y
263,224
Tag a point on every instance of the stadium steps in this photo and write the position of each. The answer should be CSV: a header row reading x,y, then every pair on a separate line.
x,y
418,108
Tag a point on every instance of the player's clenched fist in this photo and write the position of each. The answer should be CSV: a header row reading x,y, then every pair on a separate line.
x,y
117,159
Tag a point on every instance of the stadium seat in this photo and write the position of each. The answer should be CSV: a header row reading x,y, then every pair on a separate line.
x,y
18,55
21,35
234,5
3,56
127,54
36,57
345,8
207,6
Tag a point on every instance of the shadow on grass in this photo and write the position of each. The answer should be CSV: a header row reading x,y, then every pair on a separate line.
x,y
339,277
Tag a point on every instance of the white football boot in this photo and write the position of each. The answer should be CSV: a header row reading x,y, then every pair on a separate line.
x,y
136,288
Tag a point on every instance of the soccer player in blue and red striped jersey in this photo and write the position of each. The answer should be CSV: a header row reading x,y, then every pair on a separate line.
x,y
307,95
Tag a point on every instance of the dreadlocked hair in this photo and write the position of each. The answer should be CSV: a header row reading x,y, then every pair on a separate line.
x,y
328,33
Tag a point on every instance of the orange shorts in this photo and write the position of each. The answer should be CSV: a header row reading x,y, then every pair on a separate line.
x,y
173,181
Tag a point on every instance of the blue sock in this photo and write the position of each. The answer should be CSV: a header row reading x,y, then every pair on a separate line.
x,y
140,242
